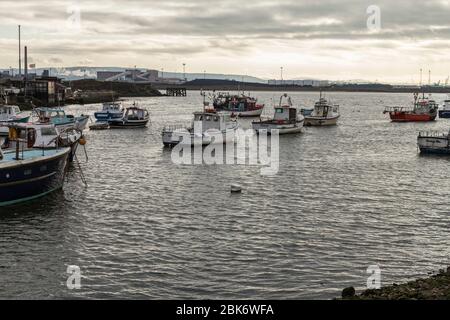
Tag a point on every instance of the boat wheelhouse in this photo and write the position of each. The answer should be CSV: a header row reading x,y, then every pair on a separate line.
x,y
423,110
207,128
110,111
286,120
41,136
324,114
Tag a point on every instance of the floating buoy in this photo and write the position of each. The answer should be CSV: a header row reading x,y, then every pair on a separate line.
x,y
236,189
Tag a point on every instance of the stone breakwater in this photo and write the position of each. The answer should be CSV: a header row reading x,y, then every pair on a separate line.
x,y
437,287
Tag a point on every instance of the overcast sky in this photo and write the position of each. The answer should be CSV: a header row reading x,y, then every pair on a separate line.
x,y
326,39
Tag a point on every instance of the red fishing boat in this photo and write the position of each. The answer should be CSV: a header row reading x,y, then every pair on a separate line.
x,y
424,109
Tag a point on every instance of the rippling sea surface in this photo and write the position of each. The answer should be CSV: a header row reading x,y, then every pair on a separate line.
x,y
345,198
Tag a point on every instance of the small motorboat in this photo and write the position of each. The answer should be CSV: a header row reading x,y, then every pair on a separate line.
x,y
286,119
237,105
31,173
134,117
423,110
60,119
110,111
324,114
434,142
206,129
444,113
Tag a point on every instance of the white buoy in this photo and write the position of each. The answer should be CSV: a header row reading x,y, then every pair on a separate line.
x,y
236,189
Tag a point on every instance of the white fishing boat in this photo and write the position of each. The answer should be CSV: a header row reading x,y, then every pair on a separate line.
x,y
286,119
434,142
207,128
324,114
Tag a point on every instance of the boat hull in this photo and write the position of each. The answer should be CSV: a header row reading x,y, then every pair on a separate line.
x,y
107,116
411,117
433,145
128,124
320,121
268,126
28,180
444,114
171,139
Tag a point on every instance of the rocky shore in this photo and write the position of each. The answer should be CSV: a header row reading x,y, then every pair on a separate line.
x,y
437,287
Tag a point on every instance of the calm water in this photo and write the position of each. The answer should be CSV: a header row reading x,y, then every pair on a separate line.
x,y
345,198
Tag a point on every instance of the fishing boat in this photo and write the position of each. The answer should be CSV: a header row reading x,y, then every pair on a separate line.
x,y
207,128
110,111
324,114
60,119
27,174
423,110
434,142
237,105
444,113
286,119
134,117
11,114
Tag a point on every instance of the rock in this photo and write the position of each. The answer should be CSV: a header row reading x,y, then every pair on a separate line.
x,y
349,292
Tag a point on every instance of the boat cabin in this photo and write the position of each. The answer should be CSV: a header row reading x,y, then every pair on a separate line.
x,y
135,113
32,135
323,109
7,112
112,106
54,115
212,120
285,113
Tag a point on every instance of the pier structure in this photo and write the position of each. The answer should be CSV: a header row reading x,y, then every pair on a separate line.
x,y
176,92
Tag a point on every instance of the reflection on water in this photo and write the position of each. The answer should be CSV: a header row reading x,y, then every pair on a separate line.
x,y
346,197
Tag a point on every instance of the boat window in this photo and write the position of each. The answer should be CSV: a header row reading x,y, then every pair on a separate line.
x,y
279,110
216,119
208,118
50,131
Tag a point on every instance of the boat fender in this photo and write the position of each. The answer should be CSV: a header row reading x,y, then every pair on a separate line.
x,y
12,134
82,141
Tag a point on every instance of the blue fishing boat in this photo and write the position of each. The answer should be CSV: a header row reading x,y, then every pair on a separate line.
x,y
60,119
31,173
110,111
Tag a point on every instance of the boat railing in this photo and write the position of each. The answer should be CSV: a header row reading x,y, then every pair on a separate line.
x,y
433,134
396,109
169,128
